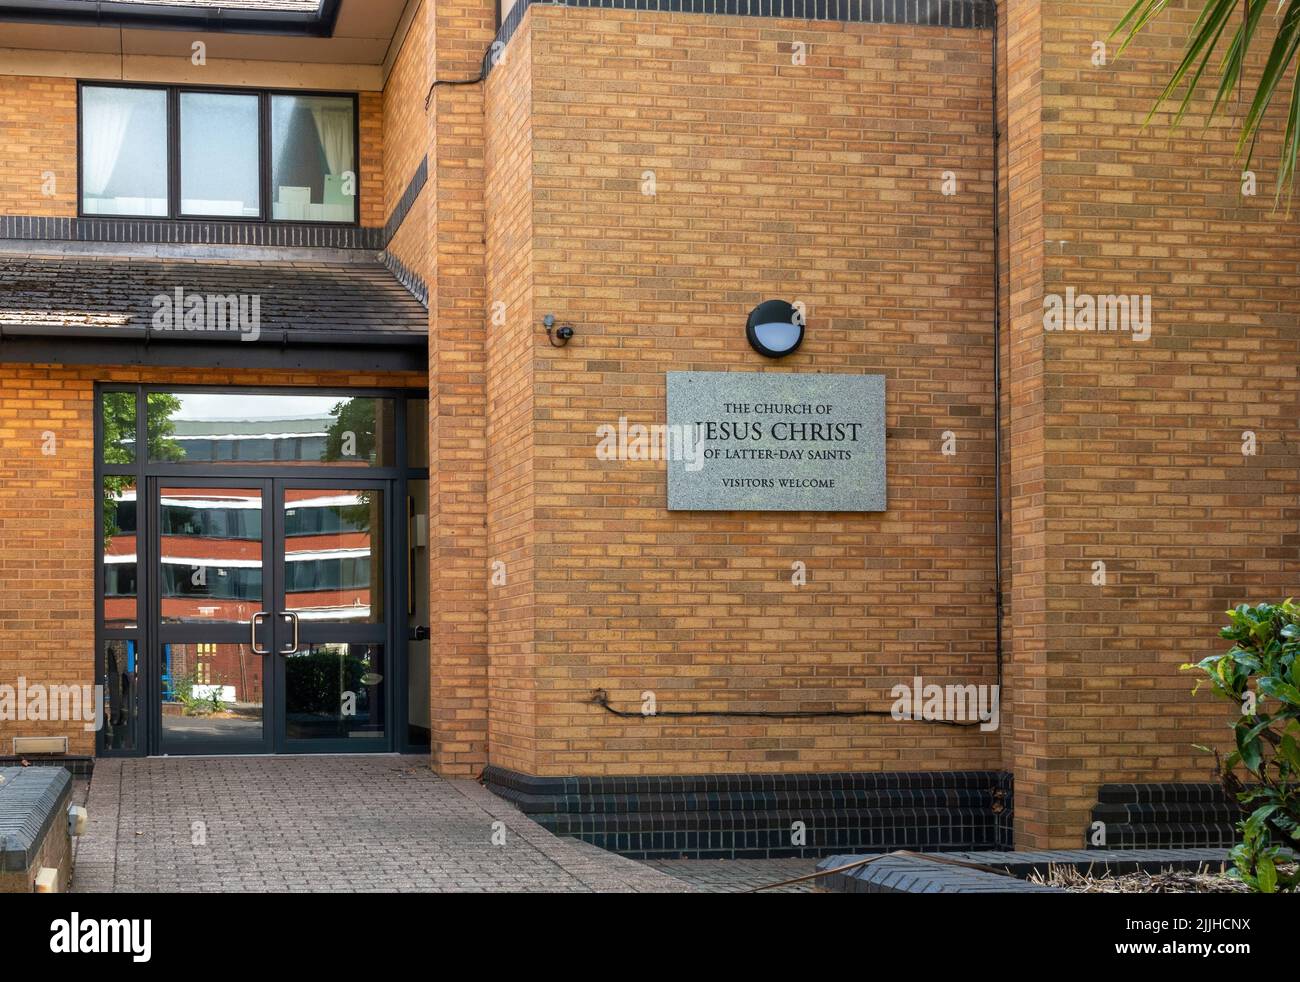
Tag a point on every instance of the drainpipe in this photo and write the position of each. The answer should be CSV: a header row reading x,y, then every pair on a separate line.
x,y
997,356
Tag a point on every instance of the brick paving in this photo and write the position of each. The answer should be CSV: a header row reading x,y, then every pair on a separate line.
x,y
739,875
325,824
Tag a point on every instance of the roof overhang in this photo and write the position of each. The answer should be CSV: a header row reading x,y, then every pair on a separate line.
x,y
348,45
362,357
210,310
211,19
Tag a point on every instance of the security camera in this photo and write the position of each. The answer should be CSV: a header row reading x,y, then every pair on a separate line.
x,y
558,336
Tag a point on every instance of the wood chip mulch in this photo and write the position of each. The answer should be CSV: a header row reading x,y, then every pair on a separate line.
x,y
1205,880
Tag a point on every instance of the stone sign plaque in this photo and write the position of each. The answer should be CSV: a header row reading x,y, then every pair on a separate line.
x,y
748,441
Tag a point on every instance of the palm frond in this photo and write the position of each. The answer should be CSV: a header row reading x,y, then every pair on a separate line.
x,y
1204,40
1279,59
1235,59
1291,140
1137,18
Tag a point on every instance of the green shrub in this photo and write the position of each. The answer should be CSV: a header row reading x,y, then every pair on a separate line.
x,y
182,691
1261,674
317,680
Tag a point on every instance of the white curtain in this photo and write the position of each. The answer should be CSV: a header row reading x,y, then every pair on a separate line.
x,y
334,127
106,121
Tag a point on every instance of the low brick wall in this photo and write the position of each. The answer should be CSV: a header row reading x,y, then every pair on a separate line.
x,y
33,826
1163,816
77,766
757,816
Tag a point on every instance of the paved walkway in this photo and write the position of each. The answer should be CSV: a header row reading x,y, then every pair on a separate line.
x,y
325,824
740,875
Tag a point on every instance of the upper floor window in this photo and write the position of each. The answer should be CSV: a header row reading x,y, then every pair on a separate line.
x,y
163,152
220,145
124,151
313,158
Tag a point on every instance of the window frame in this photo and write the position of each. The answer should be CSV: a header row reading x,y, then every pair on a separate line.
x,y
265,204
145,634
81,146
175,136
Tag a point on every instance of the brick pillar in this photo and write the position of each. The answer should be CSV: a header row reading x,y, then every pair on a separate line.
x,y
459,32
1026,735
1137,517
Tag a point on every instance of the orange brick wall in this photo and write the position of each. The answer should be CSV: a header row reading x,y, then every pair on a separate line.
x,y
1132,451
406,142
459,31
374,184
410,243
38,134
1004,350
818,183
1025,728
512,321
47,540
47,518
406,134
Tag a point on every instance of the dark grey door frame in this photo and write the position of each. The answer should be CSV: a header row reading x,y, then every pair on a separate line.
x,y
156,633
274,633
147,634
383,633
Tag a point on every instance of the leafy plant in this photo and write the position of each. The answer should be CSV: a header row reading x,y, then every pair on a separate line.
x,y
119,416
192,703
1214,21
1263,665
317,679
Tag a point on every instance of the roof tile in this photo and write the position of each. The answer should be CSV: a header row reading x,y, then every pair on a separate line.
x,y
124,292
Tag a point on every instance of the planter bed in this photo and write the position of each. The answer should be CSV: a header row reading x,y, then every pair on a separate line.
x,y
917,874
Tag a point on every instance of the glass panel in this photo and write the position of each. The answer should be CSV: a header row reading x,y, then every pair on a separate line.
x,y
118,416
334,555
160,408
120,680
334,692
120,572
313,159
220,160
211,694
417,610
211,569
246,428
123,151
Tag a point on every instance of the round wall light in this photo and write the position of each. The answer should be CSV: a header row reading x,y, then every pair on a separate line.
x,y
775,329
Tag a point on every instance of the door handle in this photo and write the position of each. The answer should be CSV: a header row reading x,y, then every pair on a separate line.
x,y
252,630
290,615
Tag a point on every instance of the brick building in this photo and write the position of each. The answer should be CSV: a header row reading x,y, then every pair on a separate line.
x,y
368,513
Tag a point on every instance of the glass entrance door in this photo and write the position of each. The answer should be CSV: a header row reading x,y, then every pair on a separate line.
x,y
212,563
332,615
272,614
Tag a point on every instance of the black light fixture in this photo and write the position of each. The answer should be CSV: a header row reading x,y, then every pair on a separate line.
x,y
775,329
563,333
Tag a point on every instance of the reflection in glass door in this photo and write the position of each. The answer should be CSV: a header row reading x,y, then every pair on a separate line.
x,y
331,622
272,615
211,542
252,589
